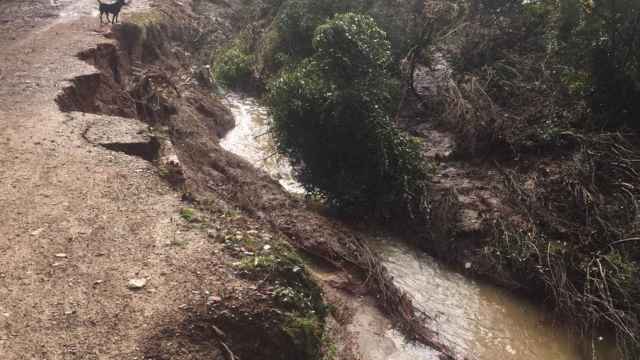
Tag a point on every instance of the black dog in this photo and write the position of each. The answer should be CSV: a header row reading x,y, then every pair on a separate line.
x,y
113,9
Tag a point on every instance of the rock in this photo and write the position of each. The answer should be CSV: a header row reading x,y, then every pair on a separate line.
x,y
61,256
37,232
213,299
136,284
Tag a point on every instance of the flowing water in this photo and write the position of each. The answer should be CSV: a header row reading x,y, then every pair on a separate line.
x,y
479,321
250,139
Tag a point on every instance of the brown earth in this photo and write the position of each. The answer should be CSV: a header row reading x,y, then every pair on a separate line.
x,y
79,221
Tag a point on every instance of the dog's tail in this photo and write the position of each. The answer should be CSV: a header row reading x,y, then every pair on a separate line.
x,y
100,2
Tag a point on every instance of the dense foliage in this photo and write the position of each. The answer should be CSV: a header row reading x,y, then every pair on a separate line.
x,y
289,38
234,67
600,42
332,119
549,90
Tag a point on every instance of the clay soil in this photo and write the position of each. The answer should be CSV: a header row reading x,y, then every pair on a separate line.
x,y
78,222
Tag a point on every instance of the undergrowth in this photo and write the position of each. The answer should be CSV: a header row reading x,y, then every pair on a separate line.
x,y
512,94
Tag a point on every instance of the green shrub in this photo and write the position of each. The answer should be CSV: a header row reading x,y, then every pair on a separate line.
x,y
352,47
234,67
331,118
288,40
602,40
188,214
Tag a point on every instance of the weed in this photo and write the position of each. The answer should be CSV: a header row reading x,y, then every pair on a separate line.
x,y
306,332
188,214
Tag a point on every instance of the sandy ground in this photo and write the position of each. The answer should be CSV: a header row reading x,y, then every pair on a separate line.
x,y
77,222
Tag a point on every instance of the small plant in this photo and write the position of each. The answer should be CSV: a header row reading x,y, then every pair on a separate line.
x,y
188,214
306,332
178,242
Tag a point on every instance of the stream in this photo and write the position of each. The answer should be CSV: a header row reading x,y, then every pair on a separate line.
x,y
476,320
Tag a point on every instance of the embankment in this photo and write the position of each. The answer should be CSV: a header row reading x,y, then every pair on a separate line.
x,y
155,71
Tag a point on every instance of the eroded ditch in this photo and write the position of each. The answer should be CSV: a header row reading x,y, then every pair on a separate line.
x,y
477,320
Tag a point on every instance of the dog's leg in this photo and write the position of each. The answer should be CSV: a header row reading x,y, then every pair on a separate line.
x,y
101,22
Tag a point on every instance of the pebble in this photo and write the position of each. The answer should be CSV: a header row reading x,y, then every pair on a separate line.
x,y
136,284
214,299
61,256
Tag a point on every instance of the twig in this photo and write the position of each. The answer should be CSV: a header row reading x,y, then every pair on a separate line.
x,y
624,241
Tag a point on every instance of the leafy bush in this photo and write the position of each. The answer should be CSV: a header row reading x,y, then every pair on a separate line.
x,y
331,118
289,38
602,39
234,67
352,47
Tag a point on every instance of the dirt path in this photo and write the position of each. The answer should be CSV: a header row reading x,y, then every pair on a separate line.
x,y
77,222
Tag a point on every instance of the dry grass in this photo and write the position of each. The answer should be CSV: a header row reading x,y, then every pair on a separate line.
x,y
574,237
579,238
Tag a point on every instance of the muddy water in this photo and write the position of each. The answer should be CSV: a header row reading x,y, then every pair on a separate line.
x,y
250,139
480,320
477,320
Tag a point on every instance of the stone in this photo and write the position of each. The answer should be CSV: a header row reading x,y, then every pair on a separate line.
x,y
213,299
136,284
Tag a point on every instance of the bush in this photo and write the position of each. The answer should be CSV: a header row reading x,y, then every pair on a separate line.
x,y
331,118
352,47
234,67
602,39
288,41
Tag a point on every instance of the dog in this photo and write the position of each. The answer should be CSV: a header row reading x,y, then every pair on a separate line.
x,y
113,9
